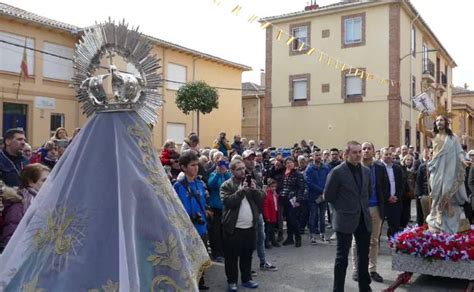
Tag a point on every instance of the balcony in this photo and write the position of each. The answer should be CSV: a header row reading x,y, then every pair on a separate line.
x,y
428,71
444,80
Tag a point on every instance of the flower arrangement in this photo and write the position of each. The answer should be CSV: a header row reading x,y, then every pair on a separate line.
x,y
420,242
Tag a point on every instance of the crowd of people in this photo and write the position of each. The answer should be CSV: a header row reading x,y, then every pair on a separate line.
x,y
241,195
22,173
245,193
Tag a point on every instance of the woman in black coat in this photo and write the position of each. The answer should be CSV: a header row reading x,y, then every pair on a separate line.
x,y
292,194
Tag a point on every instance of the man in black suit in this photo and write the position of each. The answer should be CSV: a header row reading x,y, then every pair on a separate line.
x,y
379,189
347,190
393,199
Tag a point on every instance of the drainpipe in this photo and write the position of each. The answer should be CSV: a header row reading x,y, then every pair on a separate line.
x,y
163,68
411,76
193,117
258,117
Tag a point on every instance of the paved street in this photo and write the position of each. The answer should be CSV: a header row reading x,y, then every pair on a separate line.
x,y
310,268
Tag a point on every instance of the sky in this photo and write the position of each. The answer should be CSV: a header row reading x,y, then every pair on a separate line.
x,y
213,29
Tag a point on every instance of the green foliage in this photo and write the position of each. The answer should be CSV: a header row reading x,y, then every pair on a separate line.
x,y
197,96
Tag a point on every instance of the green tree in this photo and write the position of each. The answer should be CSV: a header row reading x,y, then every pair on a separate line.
x,y
197,96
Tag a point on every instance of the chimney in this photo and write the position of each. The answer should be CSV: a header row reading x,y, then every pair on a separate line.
x,y
312,6
262,78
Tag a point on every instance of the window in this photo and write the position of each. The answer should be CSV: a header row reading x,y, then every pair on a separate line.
x,y
11,55
302,34
413,86
353,86
176,132
54,67
300,89
413,41
176,76
407,136
57,120
353,30
301,37
425,57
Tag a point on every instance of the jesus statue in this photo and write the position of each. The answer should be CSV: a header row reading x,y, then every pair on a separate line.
x,y
446,177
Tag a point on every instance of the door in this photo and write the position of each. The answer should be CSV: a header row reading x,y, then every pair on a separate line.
x,y
14,116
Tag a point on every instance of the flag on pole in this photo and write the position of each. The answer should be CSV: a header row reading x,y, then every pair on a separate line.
x,y
424,103
24,65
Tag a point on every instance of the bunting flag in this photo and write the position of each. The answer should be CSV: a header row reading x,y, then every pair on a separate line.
x,y
237,9
24,65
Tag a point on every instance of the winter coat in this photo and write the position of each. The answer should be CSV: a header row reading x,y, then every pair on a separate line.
x,y
214,184
166,155
293,186
232,198
10,168
14,211
315,180
238,147
270,211
223,146
194,203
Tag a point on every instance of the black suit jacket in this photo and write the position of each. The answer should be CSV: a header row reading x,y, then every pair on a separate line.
x,y
349,202
399,185
382,186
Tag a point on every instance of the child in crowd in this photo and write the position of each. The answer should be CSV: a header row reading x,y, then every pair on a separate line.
x,y
270,213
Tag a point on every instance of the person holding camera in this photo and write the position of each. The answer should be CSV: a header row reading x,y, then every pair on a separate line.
x,y
222,144
249,159
191,191
241,200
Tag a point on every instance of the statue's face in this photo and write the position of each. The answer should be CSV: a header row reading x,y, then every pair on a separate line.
x,y
440,123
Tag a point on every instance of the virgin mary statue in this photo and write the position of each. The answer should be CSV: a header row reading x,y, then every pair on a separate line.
x,y
107,218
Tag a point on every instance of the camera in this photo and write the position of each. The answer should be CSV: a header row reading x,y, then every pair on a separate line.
x,y
248,179
223,163
197,219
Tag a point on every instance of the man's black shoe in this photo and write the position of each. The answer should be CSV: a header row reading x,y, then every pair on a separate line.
x,y
376,277
298,243
288,242
355,276
276,244
280,237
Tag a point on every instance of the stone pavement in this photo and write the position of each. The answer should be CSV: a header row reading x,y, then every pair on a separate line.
x,y
310,268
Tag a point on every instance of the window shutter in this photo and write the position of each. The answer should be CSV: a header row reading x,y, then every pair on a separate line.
x,y
353,85
54,67
300,89
176,73
176,132
11,56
